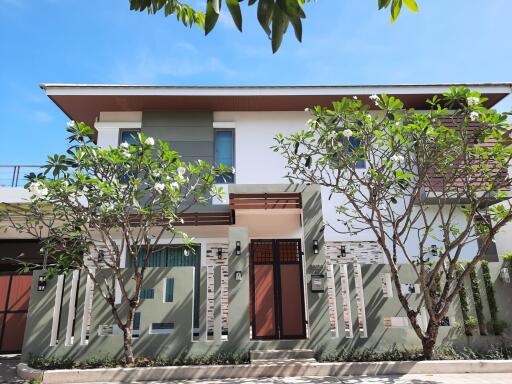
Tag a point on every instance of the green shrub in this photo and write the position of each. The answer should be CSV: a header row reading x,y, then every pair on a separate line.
x,y
507,257
497,326
50,362
443,352
100,361
471,323
106,361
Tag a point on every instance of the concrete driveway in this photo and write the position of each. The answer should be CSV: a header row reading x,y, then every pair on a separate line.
x,y
8,365
494,378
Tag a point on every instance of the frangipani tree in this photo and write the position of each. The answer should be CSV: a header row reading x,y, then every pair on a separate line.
x,y
436,177
111,202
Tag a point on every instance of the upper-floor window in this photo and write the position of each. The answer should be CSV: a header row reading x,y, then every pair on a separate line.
x,y
354,143
225,153
128,136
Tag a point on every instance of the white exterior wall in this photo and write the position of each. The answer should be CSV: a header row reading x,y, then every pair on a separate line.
x,y
256,163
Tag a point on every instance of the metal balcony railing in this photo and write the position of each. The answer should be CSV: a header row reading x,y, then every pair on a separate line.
x,y
15,175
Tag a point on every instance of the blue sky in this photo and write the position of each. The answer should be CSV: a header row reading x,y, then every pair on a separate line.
x,y
345,42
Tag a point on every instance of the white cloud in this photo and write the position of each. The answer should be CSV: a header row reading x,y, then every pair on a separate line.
x,y
149,68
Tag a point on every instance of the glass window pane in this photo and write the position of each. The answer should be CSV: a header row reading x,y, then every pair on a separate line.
x,y
136,321
224,153
169,290
129,137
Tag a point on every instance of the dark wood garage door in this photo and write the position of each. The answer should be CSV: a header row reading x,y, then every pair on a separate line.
x,y
14,297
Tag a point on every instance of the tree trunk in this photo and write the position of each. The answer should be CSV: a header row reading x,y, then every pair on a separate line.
x,y
127,346
429,341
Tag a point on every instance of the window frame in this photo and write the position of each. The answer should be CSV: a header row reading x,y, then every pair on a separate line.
x,y
122,130
232,130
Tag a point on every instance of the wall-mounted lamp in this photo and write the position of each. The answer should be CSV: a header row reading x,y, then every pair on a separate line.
x,y
505,275
315,247
219,253
433,250
41,284
101,256
238,275
343,251
238,248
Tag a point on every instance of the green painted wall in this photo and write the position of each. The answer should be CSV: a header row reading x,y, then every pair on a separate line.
x,y
377,306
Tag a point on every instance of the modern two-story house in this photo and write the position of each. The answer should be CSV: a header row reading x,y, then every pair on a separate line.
x,y
268,272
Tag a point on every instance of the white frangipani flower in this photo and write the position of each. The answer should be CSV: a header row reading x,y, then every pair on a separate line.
x,y
159,187
233,170
354,97
306,109
473,100
182,221
332,135
474,115
126,155
375,99
124,145
174,185
37,186
347,133
155,174
181,171
71,124
397,158
107,207
149,141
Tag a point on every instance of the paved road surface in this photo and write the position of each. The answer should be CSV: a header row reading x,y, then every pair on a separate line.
x,y
8,369
8,375
494,378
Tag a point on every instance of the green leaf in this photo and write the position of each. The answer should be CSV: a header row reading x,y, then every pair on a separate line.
x,y
264,13
216,6
383,3
210,18
279,25
297,27
236,14
396,7
412,5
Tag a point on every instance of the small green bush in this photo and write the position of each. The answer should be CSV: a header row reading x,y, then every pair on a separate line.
x,y
100,361
497,326
507,257
443,352
50,362
106,361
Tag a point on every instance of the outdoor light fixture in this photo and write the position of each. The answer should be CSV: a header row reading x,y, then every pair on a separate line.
x,y
219,253
433,250
315,247
238,275
343,251
238,249
505,275
41,284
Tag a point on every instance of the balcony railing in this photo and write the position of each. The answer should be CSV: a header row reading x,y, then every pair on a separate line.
x,y
15,175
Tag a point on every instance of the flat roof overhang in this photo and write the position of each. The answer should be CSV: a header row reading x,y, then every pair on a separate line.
x,y
84,102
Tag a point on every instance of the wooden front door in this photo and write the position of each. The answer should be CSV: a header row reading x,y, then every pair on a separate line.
x,y
277,294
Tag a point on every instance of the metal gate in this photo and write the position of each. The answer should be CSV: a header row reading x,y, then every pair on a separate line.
x,y
277,290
